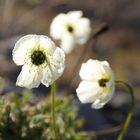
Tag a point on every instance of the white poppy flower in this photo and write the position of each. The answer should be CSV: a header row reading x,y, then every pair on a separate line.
x,y
70,28
42,61
98,83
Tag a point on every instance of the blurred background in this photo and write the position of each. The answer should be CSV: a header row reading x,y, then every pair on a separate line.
x,y
120,45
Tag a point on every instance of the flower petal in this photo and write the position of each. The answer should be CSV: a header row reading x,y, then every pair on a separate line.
x,y
29,77
49,76
22,49
105,63
97,104
95,70
91,70
55,67
74,15
67,43
58,26
82,35
104,98
88,92
58,60
47,45
106,94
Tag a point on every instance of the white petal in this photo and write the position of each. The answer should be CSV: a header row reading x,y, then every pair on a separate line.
x,y
95,70
97,104
88,92
105,97
59,55
49,76
74,15
22,49
29,77
57,26
82,35
105,63
58,60
55,67
102,100
47,45
111,82
108,93
20,56
67,43
90,70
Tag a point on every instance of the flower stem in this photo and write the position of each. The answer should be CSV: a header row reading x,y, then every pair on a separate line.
x,y
130,113
53,92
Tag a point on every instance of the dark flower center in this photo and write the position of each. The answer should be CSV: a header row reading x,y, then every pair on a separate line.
x,y
102,82
38,57
70,29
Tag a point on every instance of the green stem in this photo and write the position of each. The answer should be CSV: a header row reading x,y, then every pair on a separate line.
x,y
130,113
53,92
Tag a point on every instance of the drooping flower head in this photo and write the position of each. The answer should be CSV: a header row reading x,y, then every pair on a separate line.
x,y
97,85
42,61
70,28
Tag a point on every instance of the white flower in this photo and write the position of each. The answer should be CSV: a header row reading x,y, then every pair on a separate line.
x,y
42,61
98,83
70,28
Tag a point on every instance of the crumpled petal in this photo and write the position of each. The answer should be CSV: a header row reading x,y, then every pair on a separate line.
x,y
58,60
29,77
55,67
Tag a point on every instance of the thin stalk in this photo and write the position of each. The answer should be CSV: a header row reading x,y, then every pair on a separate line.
x,y
53,92
100,132
130,113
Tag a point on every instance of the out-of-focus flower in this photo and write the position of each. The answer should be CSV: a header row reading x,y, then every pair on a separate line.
x,y
70,28
42,61
98,83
